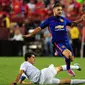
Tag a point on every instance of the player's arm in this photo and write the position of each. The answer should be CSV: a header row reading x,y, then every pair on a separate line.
x,y
36,30
27,83
17,78
22,78
80,20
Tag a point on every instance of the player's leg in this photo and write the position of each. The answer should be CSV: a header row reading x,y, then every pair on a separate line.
x,y
50,73
68,58
72,67
73,81
66,53
65,81
64,68
22,78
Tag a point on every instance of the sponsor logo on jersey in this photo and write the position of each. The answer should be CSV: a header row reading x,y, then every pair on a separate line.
x,y
59,27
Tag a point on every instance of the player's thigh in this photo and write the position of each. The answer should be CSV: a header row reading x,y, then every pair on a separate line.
x,y
48,73
58,68
67,53
53,81
63,50
60,48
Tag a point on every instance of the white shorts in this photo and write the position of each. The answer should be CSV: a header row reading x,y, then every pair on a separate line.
x,y
48,75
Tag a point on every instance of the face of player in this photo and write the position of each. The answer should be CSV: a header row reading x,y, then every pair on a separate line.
x,y
32,59
57,11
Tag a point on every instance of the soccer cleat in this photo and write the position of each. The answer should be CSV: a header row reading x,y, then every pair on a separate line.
x,y
70,72
76,64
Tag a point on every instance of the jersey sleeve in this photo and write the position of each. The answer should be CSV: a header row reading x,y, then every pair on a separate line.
x,y
23,67
44,24
68,22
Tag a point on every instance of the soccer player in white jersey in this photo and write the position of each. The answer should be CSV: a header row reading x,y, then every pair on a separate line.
x,y
44,76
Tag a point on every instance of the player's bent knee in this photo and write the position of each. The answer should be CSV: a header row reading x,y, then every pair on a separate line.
x,y
66,53
72,58
58,69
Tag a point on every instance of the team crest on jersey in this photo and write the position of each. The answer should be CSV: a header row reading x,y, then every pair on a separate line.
x,y
61,20
63,46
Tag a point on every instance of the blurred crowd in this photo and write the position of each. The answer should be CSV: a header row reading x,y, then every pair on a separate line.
x,y
18,17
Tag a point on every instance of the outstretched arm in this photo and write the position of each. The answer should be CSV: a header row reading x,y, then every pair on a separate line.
x,y
80,20
36,30
18,77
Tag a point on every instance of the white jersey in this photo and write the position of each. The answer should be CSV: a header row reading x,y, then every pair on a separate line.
x,y
31,71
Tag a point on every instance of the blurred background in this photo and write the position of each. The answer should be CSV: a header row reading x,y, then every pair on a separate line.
x,y
19,17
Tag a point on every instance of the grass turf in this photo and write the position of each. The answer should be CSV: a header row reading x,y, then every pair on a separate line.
x,y
9,67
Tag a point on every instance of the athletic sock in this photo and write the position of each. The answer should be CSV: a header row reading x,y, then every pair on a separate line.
x,y
72,67
70,72
77,81
67,63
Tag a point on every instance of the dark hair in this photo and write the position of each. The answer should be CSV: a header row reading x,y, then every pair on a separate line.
x,y
57,5
27,55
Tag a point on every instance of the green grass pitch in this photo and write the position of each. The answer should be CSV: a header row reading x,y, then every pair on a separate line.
x,y
9,67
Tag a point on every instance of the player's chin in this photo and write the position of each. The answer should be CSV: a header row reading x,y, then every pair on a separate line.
x,y
59,14
33,62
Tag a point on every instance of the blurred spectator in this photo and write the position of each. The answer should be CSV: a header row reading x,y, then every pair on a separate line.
x,y
17,8
47,43
6,24
29,26
73,9
83,8
83,42
75,35
31,5
40,9
17,35
6,21
25,10
5,5
18,42
2,12
50,6
77,7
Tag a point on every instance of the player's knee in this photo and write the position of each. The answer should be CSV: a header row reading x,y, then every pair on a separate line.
x,y
72,58
67,53
58,69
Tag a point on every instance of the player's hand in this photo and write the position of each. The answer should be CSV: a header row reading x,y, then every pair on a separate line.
x,y
83,16
13,83
26,36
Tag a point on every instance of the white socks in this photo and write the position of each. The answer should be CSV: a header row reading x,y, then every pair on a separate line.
x,y
77,81
72,67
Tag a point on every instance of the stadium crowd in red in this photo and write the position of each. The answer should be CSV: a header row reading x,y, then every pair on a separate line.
x,y
23,15
38,10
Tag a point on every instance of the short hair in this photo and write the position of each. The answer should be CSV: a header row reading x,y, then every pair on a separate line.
x,y
27,55
57,5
